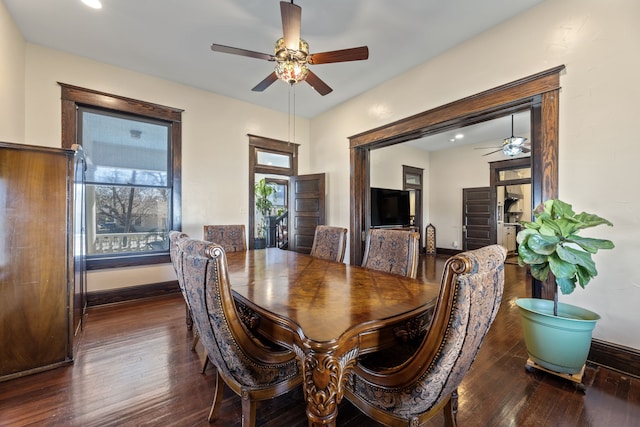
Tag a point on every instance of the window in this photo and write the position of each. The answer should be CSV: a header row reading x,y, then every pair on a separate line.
x,y
133,193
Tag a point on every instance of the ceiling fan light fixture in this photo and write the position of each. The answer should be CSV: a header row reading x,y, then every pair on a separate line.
x,y
515,141
291,65
511,150
292,72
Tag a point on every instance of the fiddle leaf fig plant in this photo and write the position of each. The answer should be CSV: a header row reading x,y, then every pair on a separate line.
x,y
551,243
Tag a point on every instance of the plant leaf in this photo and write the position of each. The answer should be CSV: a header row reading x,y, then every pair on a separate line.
x,y
521,237
527,256
543,244
560,268
575,256
566,285
589,244
591,220
584,276
540,271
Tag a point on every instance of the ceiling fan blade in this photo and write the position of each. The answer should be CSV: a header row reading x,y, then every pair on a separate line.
x,y
497,151
485,148
266,82
241,52
291,16
321,87
343,55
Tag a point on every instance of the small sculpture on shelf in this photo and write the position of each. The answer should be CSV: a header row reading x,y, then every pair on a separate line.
x,y
430,240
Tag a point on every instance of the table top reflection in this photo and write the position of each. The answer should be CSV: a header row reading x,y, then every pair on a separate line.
x,y
324,299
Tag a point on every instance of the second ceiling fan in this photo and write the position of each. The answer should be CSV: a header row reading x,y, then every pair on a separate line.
x,y
291,54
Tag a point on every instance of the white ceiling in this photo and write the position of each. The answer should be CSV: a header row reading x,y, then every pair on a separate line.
x,y
490,133
171,39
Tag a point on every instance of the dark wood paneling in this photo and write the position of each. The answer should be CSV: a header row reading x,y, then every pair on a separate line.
x,y
614,356
131,293
80,95
454,114
476,217
306,210
36,259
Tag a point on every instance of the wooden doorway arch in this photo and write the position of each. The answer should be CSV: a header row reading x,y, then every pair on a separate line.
x,y
540,93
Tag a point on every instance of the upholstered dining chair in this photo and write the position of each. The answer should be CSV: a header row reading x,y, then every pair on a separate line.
x,y
251,369
410,393
393,251
329,243
232,238
174,237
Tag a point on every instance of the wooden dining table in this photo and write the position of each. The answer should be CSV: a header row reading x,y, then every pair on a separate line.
x,y
327,313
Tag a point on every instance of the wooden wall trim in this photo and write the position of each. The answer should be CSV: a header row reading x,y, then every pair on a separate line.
x,y
538,93
80,95
449,115
111,296
616,357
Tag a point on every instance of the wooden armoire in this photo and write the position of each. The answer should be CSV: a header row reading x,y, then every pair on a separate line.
x,y
39,274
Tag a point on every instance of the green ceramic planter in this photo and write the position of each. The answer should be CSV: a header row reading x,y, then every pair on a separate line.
x,y
560,343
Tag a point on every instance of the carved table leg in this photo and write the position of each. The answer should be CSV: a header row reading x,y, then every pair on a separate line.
x,y
324,377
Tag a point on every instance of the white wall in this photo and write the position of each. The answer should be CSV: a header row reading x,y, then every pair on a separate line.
x,y
386,171
215,148
12,83
597,42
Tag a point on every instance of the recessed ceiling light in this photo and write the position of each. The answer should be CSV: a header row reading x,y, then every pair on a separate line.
x,y
459,136
95,4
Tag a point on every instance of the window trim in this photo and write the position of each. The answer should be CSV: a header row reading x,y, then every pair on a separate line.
x,y
72,97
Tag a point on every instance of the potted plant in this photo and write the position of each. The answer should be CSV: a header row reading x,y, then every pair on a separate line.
x,y
558,335
264,192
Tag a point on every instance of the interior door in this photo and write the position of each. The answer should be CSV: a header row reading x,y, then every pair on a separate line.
x,y
476,217
306,210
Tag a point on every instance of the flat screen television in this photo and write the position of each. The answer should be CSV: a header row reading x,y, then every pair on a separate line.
x,y
389,208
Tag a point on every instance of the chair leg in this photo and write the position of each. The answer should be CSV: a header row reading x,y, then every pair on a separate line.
x,y
217,398
248,412
451,410
196,338
189,320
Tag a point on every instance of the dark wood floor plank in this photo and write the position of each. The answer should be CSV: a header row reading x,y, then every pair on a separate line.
x,y
135,367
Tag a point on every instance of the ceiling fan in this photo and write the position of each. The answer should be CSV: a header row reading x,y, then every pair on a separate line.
x,y
511,146
291,54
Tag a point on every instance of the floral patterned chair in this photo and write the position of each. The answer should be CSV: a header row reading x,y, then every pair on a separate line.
x,y
412,392
329,243
232,238
174,237
251,369
393,251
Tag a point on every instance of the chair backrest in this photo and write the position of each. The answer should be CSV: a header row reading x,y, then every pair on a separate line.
x,y
174,238
329,243
243,362
232,238
470,296
393,251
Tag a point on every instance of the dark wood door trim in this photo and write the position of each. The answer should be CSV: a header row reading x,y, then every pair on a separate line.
x,y
269,144
539,92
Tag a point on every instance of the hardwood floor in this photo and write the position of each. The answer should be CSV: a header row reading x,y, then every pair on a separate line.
x,y
135,367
